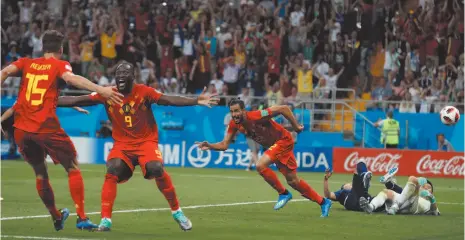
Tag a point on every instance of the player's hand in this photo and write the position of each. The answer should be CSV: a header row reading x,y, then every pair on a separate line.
x,y
328,173
299,128
422,181
427,195
203,145
206,99
112,94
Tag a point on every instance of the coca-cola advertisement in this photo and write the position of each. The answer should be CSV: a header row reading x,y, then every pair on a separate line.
x,y
410,162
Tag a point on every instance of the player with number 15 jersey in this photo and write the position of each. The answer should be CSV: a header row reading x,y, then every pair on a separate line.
x,y
37,129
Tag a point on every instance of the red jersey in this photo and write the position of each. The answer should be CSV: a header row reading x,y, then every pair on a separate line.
x,y
35,109
260,128
273,65
133,122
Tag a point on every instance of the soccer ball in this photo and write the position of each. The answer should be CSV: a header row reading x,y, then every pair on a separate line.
x,y
449,115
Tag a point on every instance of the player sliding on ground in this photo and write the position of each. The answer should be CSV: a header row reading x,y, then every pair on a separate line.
x,y
136,139
415,198
259,126
37,129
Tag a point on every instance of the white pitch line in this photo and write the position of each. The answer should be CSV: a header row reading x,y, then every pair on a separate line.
x,y
168,209
154,209
46,238
245,177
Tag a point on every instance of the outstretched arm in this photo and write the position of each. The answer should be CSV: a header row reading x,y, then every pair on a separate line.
x,y
79,101
171,100
84,83
287,113
203,99
327,192
219,146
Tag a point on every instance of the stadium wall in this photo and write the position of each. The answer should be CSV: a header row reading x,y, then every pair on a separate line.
x,y
179,128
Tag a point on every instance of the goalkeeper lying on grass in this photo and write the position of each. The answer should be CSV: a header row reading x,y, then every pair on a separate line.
x,y
415,198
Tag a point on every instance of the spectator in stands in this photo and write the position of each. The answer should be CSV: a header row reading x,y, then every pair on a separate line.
x,y
274,95
407,105
444,144
246,45
382,92
245,96
12,54
169,84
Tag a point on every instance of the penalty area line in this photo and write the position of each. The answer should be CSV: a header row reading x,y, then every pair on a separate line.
x,y
168,209
46,238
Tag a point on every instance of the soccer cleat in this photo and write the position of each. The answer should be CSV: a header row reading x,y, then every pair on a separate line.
x,y
388,177
105,225
365,205
282,200
393,209
60,223
184,222
366,179
85,224
325,207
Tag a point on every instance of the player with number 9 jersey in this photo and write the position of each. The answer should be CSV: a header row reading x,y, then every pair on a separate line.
x,y
134,127
136,139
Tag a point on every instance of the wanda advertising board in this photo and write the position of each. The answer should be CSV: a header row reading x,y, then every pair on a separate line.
x,y
410,162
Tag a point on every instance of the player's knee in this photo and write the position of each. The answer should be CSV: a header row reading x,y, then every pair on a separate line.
x,y
389,194
117,167
153,169
413,179
70,166
293,182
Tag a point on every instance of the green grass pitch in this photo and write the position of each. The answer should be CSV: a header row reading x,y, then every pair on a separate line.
x,y
222,204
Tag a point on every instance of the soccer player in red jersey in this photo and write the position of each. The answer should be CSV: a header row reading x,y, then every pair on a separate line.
x,y
260,126
37,129
136,139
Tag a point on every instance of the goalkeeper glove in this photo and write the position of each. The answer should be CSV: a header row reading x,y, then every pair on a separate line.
x,y
422,181
428,195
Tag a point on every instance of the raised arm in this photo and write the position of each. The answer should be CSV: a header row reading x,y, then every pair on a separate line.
x,y
287,113
219,146
203,99
327,192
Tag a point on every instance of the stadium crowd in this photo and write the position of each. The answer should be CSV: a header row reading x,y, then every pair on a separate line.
x,y
286,50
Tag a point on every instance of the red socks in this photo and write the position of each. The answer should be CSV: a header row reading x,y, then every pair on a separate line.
x,y
308,192
108,195
46,194
167,189
272,179
76,187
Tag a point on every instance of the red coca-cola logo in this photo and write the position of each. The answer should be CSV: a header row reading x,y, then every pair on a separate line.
x,y
379,163
454,166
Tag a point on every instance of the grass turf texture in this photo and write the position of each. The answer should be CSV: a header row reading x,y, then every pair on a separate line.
x,y
298,220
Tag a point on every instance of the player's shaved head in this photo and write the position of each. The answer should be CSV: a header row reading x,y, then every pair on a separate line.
x,y
52,41
124,76
125,66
